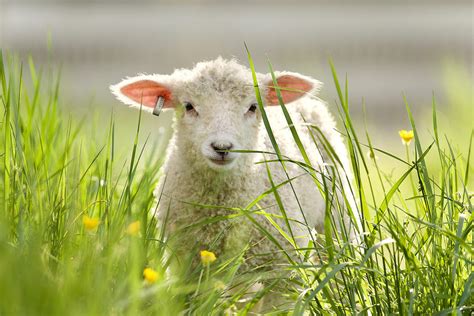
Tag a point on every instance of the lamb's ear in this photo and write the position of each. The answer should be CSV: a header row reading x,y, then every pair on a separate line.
x,y
144,90
292,87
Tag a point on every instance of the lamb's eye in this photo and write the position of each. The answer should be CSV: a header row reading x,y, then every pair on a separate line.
x,y
253,108
190,110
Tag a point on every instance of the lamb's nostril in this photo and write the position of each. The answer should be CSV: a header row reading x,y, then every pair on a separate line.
x,y
222,149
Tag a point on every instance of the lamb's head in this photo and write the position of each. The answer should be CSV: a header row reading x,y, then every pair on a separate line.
x,y
216,107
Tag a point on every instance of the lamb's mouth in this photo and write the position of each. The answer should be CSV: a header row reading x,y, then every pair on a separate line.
x,y
221,162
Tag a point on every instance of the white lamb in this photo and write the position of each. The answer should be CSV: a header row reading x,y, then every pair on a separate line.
x,y
217,114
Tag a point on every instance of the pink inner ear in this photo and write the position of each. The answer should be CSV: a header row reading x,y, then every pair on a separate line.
x,y
287,83
147,92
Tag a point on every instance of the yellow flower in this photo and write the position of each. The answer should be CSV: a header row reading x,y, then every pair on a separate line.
x,y
90,223
133,228
406,136
150,275
207,257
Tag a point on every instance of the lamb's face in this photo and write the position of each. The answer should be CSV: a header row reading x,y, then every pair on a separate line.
x,y
217,129
218,116
217,112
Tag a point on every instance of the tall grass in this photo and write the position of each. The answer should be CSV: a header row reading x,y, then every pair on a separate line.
x,y
415,254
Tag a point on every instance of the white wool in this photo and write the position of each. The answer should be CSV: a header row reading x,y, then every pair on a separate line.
x,y
221,92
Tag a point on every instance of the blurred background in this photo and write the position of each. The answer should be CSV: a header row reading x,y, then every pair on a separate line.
x,y
386,47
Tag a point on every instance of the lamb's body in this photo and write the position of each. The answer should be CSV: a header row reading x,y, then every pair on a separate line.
x,y
202,181
185,186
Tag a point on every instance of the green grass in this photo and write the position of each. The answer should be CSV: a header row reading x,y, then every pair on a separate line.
x,y
416,258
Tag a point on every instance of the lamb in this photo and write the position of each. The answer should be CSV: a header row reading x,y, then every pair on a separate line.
x,y
207,174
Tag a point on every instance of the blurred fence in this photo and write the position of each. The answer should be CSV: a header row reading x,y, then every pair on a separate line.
x,y
386,47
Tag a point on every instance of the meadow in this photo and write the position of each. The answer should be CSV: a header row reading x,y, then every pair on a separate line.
x,y
77,236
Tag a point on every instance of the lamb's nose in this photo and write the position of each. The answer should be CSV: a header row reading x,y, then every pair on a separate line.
x,y
222,148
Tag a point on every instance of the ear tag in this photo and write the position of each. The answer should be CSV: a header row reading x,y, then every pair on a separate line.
x,y
158,106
